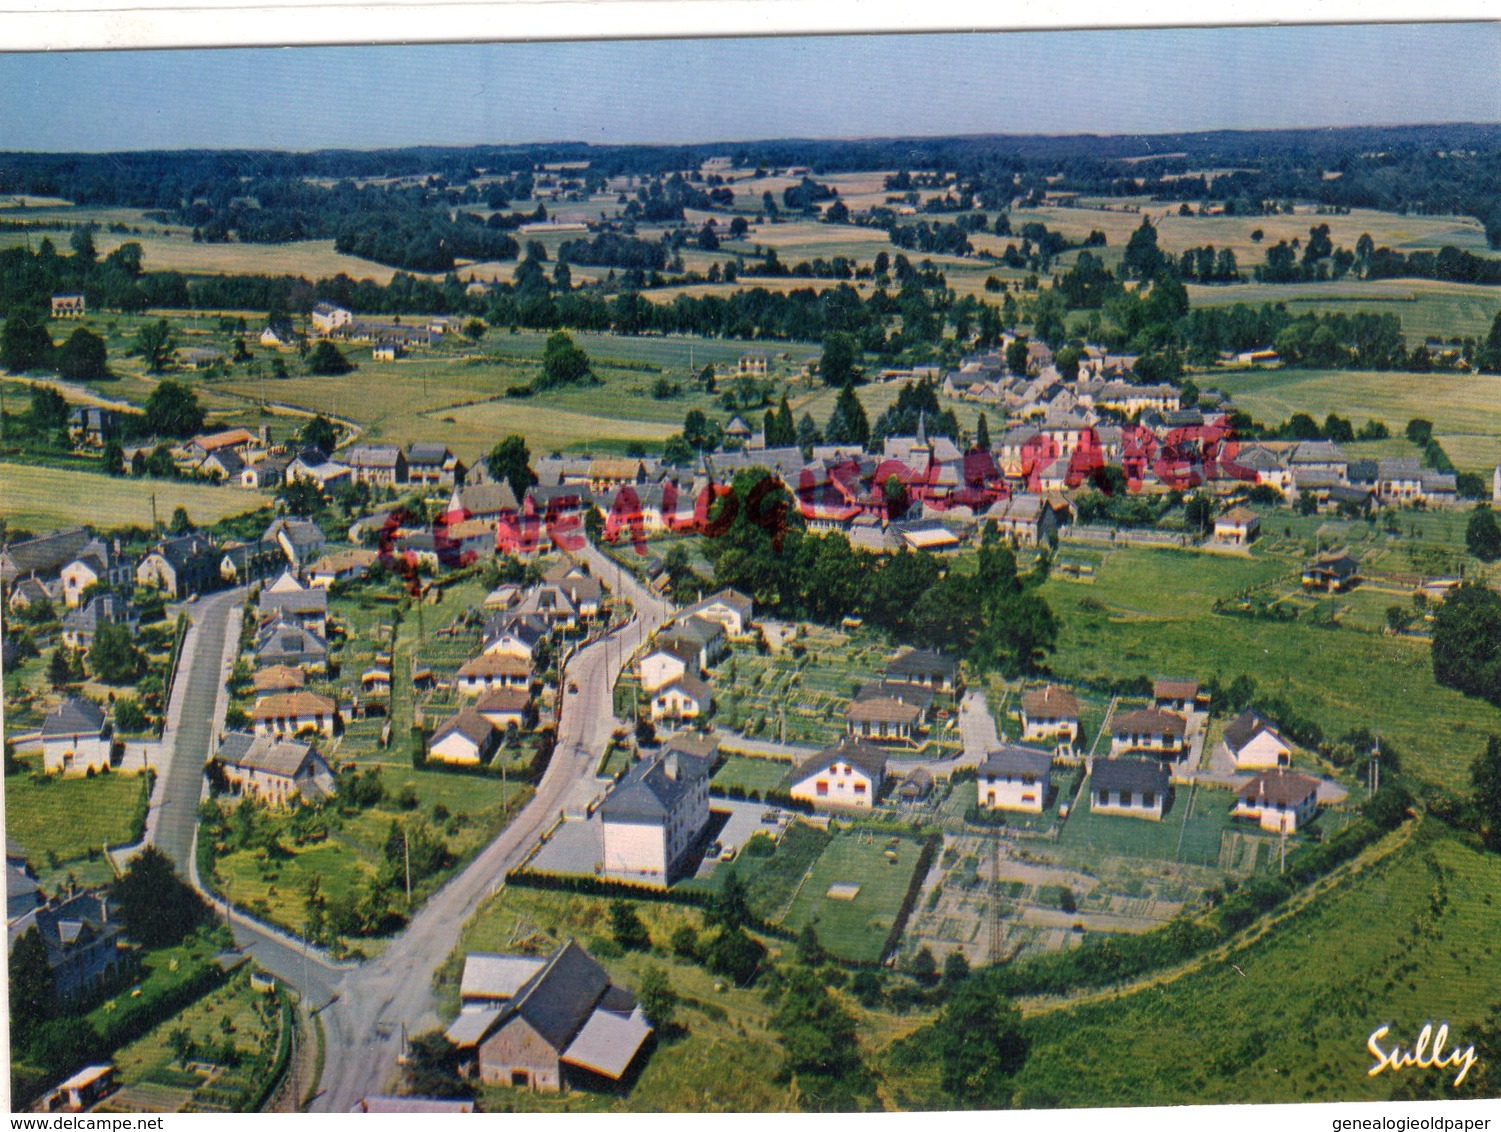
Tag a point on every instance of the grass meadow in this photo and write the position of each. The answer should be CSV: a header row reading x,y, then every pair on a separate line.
x,y
63,824
1148,612
1286,1019
41,498
855,929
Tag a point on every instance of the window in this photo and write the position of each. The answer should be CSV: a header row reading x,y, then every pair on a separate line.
x,y
859,788
1149,798
822,788
1104,797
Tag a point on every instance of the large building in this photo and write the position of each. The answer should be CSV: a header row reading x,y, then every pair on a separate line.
x,y
279,772
652,819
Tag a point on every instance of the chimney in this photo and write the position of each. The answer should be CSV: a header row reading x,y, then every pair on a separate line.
x,y
670,765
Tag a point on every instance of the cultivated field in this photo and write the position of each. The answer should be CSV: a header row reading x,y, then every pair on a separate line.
x,y
1428,308
40,498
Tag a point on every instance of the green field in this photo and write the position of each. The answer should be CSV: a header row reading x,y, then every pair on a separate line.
x,y
63,824
1287,1018
41,498
1148,612
1459,405
1188,836
749,774
856,929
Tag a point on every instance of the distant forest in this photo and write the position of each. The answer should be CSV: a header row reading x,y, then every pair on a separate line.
x,y
368,203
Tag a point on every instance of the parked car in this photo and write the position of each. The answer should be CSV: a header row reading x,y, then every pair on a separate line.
x,y
714,849
728,854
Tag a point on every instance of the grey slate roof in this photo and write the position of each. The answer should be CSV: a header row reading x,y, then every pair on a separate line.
x,y
558,999
920,662
281,757
44,555
74,716
1129,774
652,788
1012,759
867,756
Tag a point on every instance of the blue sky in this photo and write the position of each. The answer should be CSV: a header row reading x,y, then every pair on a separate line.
x,y
1145,81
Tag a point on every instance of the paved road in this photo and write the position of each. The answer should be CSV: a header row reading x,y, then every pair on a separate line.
x,y
192,718
363,1025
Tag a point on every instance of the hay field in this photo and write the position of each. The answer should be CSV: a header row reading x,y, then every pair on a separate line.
x,y
41,498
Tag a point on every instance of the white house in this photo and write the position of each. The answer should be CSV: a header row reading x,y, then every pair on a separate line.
x,y
1239,525
1279,800
654,816
663,664
280,772
730,608
292,713
75,738
684,697
1050,714
326,317
848,774
466,739
1135,788
494,670
1014,778
1252,742
1150,729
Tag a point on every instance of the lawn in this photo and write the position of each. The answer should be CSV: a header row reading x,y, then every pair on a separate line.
x,y
64,823
1287,1018
1148,613
40,498
759,775
224,1079
856,929
1188,836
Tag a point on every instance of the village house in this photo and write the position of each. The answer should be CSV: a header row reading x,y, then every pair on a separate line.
x,y
1050,714
514,634
97,562
90,426
288,599
482,500
1239,526
704,639
682,698
316,467
42,556
76,738
1332,573
882,719
465,739
653,818
236,440
387,351
243,563
327,317
181,566
83,938
1025,518
264,474
504,707
278,772
71,304
341,566
278,334
926,668
1278,800
83,1090
301,540
381,465
1014,778
565,1022
434,465
1252,743
1129,787
283,642
224,466
1181,696
293,713
81,625
492,670
1149,730
754,364
847,774
663,663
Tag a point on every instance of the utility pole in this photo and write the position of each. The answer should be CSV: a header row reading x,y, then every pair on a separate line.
x,y
154,521
406,852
